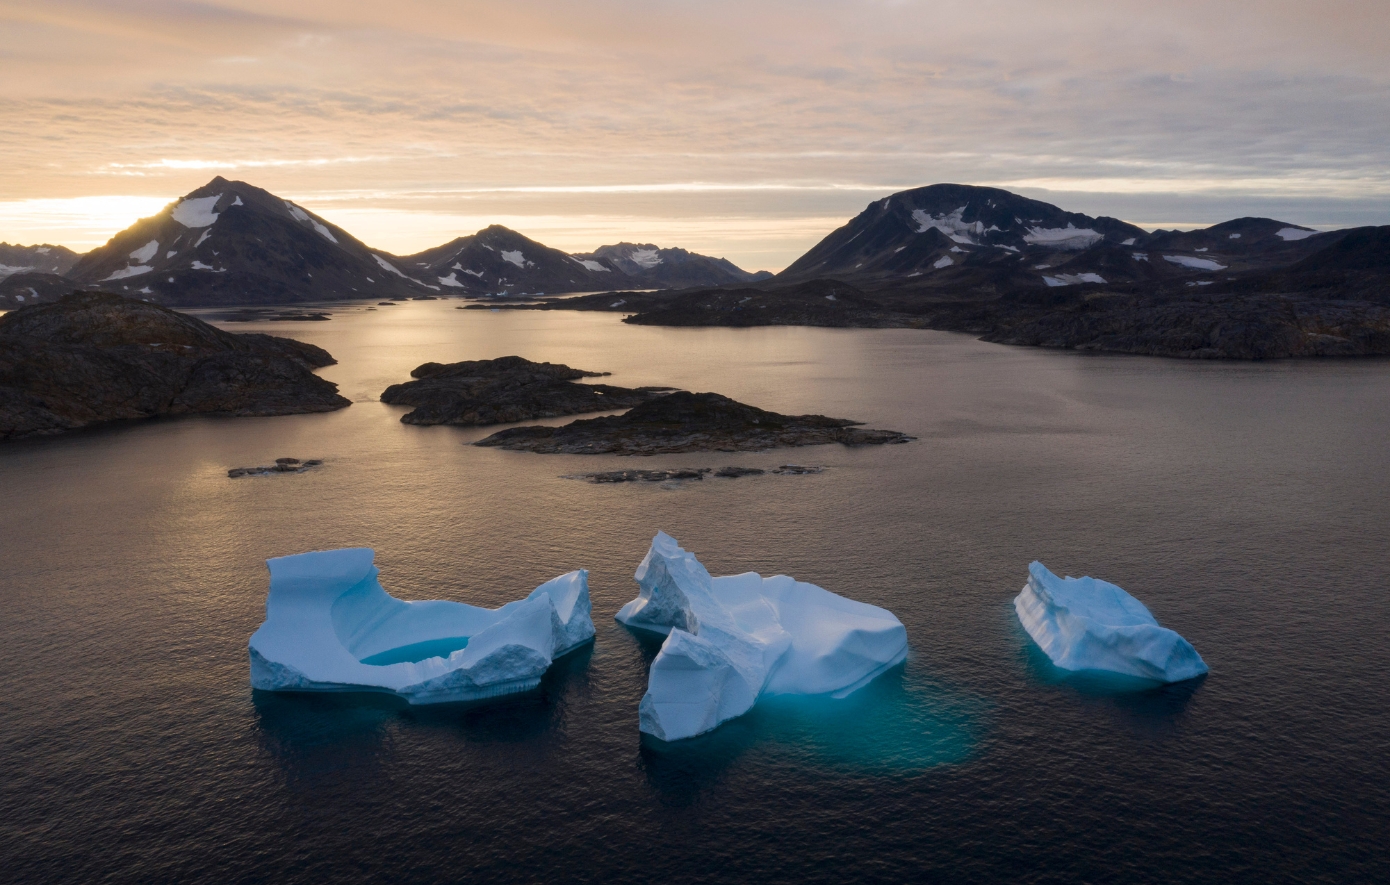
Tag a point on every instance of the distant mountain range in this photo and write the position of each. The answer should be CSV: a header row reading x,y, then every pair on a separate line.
x,y
1019,271
947,256
229,242
672,268
35,259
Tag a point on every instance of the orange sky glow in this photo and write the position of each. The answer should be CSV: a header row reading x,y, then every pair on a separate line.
x,y
747,130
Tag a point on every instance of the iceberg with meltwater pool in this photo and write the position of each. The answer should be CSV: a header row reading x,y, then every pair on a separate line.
x,y
731,639
1086,624
330,626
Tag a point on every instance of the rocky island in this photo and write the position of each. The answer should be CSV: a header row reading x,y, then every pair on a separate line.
x,y
504,390
93,357
689,422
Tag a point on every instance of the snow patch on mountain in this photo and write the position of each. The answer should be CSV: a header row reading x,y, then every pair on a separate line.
x,y
951,225
1289,234
516,258
1071,279
645,258
1194,263
1069,237
197,212
451,280
387,266
145,252
591,265
124,272
944,261
300,215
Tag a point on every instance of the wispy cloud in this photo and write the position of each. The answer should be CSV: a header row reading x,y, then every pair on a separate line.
x,y
618,108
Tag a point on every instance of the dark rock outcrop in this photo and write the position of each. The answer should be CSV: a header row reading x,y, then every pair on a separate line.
x,y
281,465
504,390
93,357
689,422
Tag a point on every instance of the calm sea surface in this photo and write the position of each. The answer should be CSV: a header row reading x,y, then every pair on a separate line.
x,y
1248,505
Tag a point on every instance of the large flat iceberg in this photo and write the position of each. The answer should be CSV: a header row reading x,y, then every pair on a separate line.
x,y
330,626
1086,624
733,638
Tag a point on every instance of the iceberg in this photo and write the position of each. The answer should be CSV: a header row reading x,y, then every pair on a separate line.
x,y
330,626
731,639
1086,624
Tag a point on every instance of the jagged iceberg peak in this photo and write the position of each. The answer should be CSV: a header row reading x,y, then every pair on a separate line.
x,y
1087,624
731,639
330,626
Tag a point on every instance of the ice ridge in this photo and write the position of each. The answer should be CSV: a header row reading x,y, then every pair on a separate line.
x,y
1084,624
327,616
731,639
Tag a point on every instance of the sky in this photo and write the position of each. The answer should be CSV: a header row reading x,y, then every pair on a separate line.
x,y
747,130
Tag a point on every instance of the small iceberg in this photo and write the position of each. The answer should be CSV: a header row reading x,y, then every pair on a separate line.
x,y
731,639
330,626
1086,624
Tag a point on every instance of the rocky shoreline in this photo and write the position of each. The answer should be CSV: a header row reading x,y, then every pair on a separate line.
x,y
281,465
680,474
689,422
92,357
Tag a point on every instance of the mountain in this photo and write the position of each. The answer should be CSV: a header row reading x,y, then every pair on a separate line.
x,y
18,290
35,259
231,243
499,261
921,232
656,268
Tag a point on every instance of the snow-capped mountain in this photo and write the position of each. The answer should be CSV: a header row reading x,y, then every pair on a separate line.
x,y
958,237
35,259
926,230
657,268
231,243
499,261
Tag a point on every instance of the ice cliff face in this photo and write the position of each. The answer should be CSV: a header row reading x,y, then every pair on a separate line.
x,y
331,627
1086,624
733,638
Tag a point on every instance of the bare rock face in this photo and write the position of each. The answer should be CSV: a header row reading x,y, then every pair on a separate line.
x,y
506,389
689,422
93,357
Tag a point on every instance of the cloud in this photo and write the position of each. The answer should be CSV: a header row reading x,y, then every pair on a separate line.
x,y
779,99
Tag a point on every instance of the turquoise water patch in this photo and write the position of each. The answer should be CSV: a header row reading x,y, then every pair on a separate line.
x,y
898,723
418,651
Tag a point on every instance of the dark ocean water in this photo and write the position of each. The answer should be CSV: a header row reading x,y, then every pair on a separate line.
x,y
1248,505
